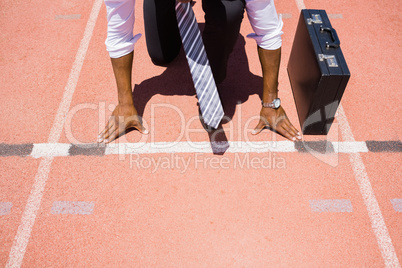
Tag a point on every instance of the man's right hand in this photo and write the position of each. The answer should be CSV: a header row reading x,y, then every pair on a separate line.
x,y
123,118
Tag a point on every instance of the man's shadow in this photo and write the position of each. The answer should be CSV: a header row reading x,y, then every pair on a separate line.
x,y
176,80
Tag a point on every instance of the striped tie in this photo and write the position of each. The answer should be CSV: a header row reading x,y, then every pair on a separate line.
x,y
204,83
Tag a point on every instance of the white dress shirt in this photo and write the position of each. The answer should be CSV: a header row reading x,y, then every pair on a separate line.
x,y
266,23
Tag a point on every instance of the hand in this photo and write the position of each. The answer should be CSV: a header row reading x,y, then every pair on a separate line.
x,y
277,120
123,117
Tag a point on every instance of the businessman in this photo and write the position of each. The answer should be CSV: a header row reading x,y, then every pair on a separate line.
x,y
222,25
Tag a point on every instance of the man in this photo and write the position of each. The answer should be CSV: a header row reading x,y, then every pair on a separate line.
x,y
222,26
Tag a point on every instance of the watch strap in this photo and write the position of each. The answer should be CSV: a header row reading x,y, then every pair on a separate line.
x,y
269,104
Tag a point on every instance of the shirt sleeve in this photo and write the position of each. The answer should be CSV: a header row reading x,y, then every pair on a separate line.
x,y
120,23
266,23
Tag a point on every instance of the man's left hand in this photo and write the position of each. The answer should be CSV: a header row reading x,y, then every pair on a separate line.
x,y
278,121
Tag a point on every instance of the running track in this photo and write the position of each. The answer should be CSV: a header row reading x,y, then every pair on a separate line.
x,y
174,198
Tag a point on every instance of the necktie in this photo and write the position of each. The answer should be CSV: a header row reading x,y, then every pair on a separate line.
x,y
204,83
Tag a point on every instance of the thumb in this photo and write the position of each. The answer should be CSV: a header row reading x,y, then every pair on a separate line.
x,y
134,121
143,130
260,126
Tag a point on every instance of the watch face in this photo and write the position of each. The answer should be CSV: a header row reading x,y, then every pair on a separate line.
x,y
277,103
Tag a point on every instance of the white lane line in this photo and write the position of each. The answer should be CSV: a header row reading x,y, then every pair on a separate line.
x,y
300,4
68,17
5,208
73,207
74,75
199,147
377,220
335,16
350,147
228,147
50,150
63,149
35,197
331,205
397,204
286,15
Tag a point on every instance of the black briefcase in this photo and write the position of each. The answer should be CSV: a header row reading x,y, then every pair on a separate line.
x,y
317,71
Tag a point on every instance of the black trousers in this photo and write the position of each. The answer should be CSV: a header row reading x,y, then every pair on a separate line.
x,y
222,26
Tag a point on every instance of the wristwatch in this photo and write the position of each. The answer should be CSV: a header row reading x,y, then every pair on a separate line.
x,y
275,104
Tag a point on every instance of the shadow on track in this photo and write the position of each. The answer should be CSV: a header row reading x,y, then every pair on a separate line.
x,y
176,80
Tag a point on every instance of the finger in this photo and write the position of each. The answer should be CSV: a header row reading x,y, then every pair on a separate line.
x,y
111,134
142,130
298,135
102,133
289,126
289,129
260,126
119,127
134,123
283,131
113,127
101,136
110,125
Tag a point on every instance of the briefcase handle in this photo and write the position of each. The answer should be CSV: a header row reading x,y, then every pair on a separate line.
x,y
334,36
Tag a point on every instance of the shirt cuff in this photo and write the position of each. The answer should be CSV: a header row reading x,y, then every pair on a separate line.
x,y
121,48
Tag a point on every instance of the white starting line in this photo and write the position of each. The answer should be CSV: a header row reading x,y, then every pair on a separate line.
x,y
64,149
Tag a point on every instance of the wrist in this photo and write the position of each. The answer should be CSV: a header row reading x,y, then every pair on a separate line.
x,y
275,104
125,99
269,97
126,102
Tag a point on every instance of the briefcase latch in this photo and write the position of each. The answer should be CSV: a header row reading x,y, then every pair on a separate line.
x,y
331,60
315,18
